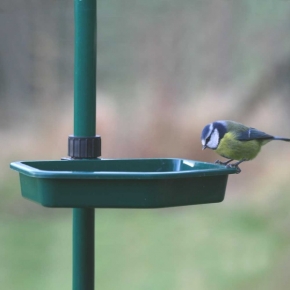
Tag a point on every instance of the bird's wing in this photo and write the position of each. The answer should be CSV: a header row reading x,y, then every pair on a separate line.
x,y
253,134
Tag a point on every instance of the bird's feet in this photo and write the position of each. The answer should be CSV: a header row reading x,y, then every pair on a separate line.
x,y
233,165
223,163
238,169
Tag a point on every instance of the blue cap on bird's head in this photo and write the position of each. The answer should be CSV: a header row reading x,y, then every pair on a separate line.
x,y
212,134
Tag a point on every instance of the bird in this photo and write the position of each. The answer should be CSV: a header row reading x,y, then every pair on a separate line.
x,y
235,141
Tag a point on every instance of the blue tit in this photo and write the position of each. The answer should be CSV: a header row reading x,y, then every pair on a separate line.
x,y
235,141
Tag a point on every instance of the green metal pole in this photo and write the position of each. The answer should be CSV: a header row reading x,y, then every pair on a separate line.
x,y
83,249
85,68
84,125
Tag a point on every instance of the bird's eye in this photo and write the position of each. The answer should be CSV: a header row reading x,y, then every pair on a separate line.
x,y
207,139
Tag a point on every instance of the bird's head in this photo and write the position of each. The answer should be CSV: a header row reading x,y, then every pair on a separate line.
x,y
212,134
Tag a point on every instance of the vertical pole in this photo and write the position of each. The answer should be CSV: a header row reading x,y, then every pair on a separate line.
x,y
85,68
84,125
83,248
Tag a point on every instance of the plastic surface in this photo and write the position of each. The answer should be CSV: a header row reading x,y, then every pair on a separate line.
x,y
123,183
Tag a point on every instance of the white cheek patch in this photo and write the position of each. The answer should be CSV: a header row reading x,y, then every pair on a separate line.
x,y
214,140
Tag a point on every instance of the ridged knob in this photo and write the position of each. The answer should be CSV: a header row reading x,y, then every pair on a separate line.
x,y
84,147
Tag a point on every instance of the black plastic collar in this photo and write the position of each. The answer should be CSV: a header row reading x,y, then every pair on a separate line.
x,y
84,147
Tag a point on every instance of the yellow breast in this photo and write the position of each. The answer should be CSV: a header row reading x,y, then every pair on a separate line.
x,y
234,149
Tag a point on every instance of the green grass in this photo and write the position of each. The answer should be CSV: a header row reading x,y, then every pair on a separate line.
x,y
198,247
35,253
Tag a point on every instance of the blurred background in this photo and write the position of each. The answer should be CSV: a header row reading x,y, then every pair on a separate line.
x,y
166,68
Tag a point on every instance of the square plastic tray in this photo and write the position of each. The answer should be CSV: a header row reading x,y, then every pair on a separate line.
x,y
122,183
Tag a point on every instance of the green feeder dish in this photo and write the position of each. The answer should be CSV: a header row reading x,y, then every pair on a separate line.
x,y
122,183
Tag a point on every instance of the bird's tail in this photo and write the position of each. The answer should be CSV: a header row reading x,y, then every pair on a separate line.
x,y
281,139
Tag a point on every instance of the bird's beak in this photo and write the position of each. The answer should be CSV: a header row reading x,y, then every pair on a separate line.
x,y
204,147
